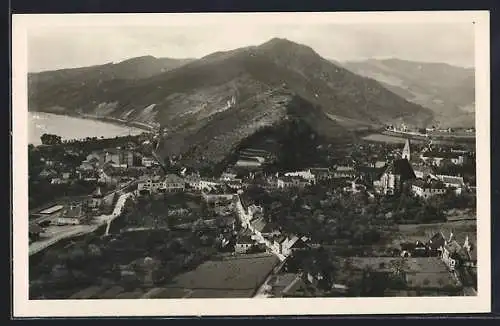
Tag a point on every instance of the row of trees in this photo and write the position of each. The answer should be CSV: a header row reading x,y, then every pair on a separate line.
x,y
330,216
50,139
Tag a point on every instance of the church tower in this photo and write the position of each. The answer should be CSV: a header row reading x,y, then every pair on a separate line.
x,y
406,150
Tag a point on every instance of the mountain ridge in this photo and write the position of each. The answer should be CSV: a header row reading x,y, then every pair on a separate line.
x,y
211,104
448,90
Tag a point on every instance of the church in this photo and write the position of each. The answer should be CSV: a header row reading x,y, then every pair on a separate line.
x,y
397,173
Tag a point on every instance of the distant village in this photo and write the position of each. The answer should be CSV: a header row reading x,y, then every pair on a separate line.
x,y
129,171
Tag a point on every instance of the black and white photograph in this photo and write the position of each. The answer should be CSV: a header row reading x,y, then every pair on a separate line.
x,y
284,163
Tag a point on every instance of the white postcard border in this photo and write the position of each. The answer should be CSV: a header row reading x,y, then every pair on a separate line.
x,y
23,307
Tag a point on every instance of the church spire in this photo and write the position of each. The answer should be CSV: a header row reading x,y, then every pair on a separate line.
x,y
98,193
406,150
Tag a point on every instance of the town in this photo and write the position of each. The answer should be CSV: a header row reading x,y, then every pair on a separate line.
x,y
109,219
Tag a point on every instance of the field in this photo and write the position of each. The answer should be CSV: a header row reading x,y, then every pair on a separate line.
x,y
229,277
237,276
427,273
385,139
423,232
460,214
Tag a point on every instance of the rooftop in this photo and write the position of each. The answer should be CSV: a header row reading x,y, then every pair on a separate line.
x,y
74,211
432,184
52,209
320,170
258,224
459,181
343,168
438,154
244,239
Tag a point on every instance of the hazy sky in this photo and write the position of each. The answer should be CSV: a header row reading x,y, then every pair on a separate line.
x,y
55,48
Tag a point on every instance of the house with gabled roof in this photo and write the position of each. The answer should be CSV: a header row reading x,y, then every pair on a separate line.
x,y
428,188
459,250
244,242
438,157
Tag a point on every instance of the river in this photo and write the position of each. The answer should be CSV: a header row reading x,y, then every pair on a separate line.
x,y
72,127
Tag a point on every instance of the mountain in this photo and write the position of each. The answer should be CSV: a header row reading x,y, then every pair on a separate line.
x,y
208,106
135,68
447,90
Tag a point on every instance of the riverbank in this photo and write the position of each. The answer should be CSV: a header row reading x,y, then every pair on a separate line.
x,y
119,122
58,122
76,127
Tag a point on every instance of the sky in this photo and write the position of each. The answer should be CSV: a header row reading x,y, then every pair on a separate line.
x,y
51,48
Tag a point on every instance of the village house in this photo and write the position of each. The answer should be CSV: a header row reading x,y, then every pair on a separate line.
x,y
277,242
105,178
72,215
453,250
287,244
423,171
89,165
58,181
256,226
207,184
454,182
437,158
307,175
301,244
292,182
456,252
235,184
149,185
271,230
228,176
47,173
244,242
174,183
95,201
321,174
427,188
198,183
119,157
342,171
255,211
435,244
414,249
147,161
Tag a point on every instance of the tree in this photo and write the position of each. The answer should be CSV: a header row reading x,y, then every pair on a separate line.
x,y
50,139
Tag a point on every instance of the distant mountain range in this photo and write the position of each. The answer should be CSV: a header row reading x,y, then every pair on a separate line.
x,y
209,105
447,90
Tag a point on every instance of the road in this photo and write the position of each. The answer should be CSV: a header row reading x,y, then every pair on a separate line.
x,y
244,221
116,212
